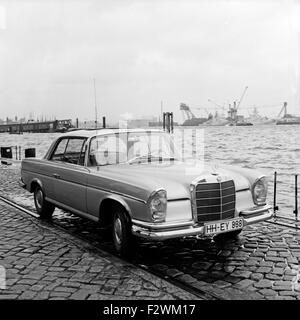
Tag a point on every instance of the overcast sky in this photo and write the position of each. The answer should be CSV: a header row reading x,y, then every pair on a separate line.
x,y
142,52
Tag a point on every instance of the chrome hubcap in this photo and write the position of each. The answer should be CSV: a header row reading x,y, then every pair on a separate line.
x,y
118,230
39,199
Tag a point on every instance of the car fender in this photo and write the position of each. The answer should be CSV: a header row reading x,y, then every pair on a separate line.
x,y
38,181
118,199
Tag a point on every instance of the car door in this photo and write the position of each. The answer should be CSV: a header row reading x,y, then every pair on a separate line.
x,y
105,150
71,175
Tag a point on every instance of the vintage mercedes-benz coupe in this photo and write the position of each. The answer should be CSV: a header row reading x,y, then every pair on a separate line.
x,y
135,182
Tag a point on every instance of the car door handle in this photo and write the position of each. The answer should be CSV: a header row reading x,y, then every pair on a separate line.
x,y
56,175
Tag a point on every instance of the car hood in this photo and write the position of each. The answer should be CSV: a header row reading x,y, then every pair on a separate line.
x,y
176,177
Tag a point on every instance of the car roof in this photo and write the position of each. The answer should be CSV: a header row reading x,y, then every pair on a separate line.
x,y
99,132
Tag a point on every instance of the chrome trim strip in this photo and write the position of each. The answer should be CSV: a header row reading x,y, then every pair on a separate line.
x,y
205,190
68,208
92,186
162,225
118,193
179,199
230,195
244,189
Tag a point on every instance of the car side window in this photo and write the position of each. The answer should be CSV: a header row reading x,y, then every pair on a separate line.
x,y
75,151
58,153
71,151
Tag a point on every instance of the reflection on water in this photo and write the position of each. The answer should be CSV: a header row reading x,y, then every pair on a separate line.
x,y
267,148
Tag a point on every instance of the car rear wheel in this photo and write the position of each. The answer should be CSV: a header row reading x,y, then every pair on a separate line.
x,y
44,208
121,233
227,235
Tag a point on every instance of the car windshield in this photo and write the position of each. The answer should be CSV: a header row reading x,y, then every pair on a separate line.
x,y
132,148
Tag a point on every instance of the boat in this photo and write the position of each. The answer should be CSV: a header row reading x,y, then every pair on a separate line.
x,y
216,120
292,120
287,118
256,119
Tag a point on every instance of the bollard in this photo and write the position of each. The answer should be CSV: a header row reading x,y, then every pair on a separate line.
x,y
168,121
296,196
30,153
6,152
275,207
103,122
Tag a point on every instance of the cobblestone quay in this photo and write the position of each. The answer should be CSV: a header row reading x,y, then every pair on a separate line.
x,y
42,263
262,263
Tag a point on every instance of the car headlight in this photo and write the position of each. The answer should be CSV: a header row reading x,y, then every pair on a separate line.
x,y
259,191
157,203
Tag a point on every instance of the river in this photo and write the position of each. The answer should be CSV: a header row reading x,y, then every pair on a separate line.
x,y
266,148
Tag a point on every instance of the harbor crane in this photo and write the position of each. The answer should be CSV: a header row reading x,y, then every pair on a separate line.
x,y
284,110
216,104
189,118
244,92
187,114
232,112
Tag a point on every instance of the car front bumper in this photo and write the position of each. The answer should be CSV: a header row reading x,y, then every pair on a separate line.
x,y
188,229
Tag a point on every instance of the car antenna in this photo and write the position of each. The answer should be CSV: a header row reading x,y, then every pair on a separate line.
x,y
95,96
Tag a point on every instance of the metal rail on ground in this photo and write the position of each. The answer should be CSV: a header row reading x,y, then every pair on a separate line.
x,y
202,294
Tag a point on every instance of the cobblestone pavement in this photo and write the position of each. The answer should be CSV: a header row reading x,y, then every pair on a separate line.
x,y
262,263
42,263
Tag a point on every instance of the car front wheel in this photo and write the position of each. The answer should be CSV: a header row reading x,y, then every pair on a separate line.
x,y
121,233
44,208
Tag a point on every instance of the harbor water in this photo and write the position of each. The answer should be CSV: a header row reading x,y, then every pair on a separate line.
x,y
266,148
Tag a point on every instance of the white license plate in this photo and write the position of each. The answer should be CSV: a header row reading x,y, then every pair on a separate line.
x,y
223,226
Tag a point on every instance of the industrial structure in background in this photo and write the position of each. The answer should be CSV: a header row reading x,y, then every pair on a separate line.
x,y
189,118
286,118
36,126
234,118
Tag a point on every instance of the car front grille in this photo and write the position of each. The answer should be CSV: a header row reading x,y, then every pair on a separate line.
x,y
215,201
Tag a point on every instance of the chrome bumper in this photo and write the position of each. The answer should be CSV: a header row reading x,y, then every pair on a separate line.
x,y
250,217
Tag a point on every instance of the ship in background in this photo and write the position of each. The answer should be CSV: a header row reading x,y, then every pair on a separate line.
x,y
234,118
287,118
216,119
257,119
